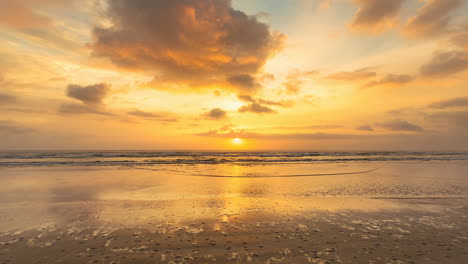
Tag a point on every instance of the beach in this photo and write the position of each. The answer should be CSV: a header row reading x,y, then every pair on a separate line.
x,y
238,211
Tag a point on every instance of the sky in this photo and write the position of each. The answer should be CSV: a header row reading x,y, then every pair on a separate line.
x,y
316,75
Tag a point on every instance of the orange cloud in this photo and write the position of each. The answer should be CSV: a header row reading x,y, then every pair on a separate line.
x,y
187,42
400,125
375,16
455,102
16,14
256,108
164,117
391,80
358,75
432,19
444,63
460,38
296,79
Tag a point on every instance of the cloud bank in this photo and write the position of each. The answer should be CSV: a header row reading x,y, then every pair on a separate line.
x,y
184,43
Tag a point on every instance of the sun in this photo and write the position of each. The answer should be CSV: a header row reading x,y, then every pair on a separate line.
x,y
237,141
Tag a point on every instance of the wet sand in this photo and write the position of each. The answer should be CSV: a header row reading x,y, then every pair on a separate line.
x,y
401,213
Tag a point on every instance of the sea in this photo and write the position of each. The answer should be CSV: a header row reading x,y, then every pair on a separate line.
x,y
155,158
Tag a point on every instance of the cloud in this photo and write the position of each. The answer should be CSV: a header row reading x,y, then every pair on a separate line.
x,y
391,80
152,116
296,79
358,75
27,17
282,103
77,109
7,98
400,125
16,14
196,43
91,94
444,63
432,19
451,119
246,98
460,38
244,82
365,128
455,102
7,126
259,101
228,131
325,127
375,16
256,108
215,114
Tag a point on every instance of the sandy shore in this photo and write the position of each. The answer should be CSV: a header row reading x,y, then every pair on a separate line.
x,y
63,220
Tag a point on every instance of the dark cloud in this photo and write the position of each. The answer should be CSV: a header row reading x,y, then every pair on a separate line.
x,y
391,80
215,114
140,113
449,119
76,109
375,15
455,102
400,125
244,82
260,101
445,63
256,108
7,126
432,19
91,94
358,75
282,103
187,42
365,128
152,116
246,98
7,98
326,127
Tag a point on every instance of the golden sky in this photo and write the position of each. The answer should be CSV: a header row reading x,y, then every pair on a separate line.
x,y
196,74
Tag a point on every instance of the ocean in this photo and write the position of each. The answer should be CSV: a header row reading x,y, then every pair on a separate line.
x,y
154,158
233,207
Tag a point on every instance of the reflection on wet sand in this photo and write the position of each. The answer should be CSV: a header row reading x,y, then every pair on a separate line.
x,y
403,212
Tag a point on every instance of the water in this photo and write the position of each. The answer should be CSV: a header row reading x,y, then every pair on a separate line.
x,y
115,189
153,158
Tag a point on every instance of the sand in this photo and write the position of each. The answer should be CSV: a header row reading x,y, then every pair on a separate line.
x,y
401,213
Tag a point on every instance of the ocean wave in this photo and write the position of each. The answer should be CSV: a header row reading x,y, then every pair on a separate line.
x,y
101,158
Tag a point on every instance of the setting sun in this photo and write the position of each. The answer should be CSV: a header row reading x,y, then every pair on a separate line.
x,y
237,141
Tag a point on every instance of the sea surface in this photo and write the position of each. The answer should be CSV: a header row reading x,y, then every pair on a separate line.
x,y
233,207
149,158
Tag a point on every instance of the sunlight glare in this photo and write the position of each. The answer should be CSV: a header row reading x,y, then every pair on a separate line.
x,y
237,141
